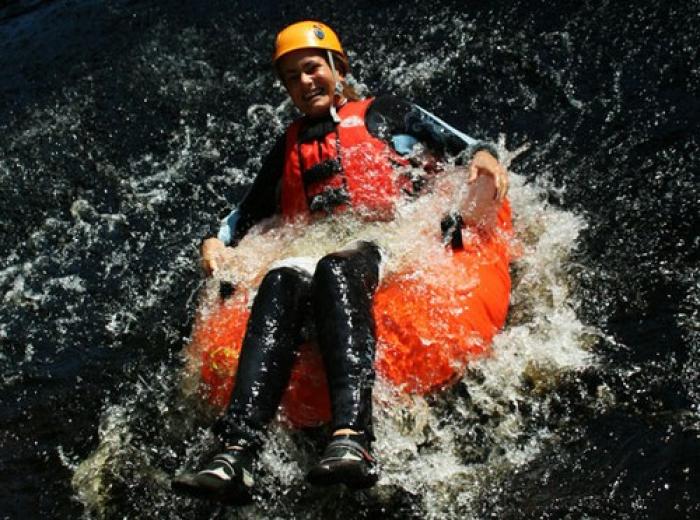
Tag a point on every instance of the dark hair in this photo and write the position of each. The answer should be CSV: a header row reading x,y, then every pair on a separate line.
x,y
341,64
349,92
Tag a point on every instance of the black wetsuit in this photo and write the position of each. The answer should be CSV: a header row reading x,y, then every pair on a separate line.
x,y
337,296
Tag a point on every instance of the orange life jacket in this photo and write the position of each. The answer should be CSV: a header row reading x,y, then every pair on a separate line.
x,y
347,167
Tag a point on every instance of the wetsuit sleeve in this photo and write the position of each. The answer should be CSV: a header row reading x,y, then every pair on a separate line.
x,y
261,200
404,124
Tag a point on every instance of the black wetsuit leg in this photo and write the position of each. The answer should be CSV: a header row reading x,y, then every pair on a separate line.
x,y
341,298
272,338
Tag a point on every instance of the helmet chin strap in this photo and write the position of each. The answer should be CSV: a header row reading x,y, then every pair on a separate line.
x,y
338,88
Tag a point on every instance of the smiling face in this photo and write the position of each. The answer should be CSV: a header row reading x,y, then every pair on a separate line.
x,y
309,81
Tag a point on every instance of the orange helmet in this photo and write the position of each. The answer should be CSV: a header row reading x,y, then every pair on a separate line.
x,y
308,34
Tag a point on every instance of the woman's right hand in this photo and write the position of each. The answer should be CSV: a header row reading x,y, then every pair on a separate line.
x,y
483,163
213,253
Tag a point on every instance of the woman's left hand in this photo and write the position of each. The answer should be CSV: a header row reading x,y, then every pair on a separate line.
x,y
483,163
213,255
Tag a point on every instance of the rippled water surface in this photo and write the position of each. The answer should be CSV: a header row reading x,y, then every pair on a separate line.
x,y
130,127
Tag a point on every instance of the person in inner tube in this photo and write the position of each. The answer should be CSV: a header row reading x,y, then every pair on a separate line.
x,y
311,170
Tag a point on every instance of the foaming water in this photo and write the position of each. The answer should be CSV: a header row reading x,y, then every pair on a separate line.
x,y
411,239
130,127
438,453
447,450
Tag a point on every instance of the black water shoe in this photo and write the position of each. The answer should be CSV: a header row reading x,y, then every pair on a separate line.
x,y
346,460
227,478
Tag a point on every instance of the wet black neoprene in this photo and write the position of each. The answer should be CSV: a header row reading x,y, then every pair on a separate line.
x,y
338,299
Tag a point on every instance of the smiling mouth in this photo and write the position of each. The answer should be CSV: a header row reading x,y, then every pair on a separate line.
x,y
315,92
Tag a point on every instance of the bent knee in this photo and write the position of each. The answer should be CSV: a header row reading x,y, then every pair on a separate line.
x,y
332,266
284,277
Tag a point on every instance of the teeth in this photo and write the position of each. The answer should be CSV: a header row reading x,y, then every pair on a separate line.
x,y
316,92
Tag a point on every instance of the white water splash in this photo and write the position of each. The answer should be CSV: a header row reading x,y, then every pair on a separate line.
x,y
443,453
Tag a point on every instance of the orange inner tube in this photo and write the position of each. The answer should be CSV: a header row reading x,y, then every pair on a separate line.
x,y
427,332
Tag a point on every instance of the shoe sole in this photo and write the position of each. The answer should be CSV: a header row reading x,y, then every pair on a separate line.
x,y
343,473
236,497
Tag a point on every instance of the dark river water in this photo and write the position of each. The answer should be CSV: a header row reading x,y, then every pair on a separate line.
x,y
128,128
